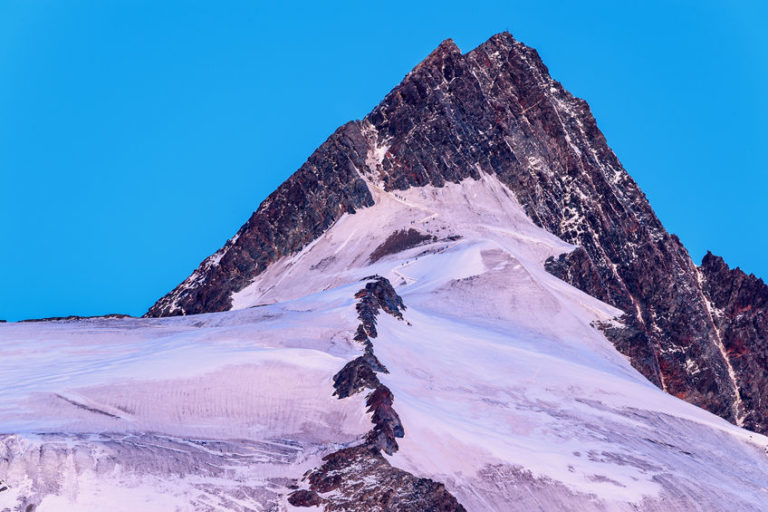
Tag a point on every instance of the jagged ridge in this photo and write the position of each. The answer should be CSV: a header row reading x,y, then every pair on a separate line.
x,y
360,476
360,373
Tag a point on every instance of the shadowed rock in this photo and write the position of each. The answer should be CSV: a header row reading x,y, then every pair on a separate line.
x,y
304,498
358,478
740,302
399,241
354,377
363,480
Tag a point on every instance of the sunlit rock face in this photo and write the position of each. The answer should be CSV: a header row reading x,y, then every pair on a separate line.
x,y
496,111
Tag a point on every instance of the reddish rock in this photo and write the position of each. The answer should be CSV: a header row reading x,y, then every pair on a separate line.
x,y
399,241
740,302
354,377
363,480
304,498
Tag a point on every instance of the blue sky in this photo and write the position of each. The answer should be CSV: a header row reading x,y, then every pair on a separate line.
x,y
137,136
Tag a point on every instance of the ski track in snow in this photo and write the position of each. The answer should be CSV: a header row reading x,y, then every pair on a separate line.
x,y
508,395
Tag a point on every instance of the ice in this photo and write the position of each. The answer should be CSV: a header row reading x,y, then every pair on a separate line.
x,y
507,392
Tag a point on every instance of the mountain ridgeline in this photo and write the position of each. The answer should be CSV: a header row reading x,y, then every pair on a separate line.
x,y
699,333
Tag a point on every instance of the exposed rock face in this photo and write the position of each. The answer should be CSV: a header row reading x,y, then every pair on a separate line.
x,y
360,478
360,373
304,498
357,375
399,241
740,304
300,210
496,110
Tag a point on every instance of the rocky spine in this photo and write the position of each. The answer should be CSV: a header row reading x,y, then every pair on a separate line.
x,y
359,478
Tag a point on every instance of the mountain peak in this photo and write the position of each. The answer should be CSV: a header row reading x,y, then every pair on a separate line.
x,y
495,112
446,51
504,38
711,260
466,280
447,47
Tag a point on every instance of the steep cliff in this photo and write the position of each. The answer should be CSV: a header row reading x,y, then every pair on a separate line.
x,y
740,308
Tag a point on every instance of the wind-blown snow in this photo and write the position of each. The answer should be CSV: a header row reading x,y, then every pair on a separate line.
x,y
507,393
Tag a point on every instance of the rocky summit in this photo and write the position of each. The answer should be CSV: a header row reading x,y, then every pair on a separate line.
x,y
495,110
461,302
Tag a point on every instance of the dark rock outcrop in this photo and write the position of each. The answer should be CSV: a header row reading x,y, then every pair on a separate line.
x,y
363,480
304,498
356,376
495,110
360,373
359,478
387,425
399,241
378,295
740,305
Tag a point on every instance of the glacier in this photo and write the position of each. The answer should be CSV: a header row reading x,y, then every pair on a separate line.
x,y
508,392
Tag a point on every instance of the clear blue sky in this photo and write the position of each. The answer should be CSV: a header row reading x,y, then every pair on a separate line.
x,y
137,136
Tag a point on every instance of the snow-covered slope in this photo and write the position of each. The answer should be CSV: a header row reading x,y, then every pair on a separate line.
x,y
507,393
